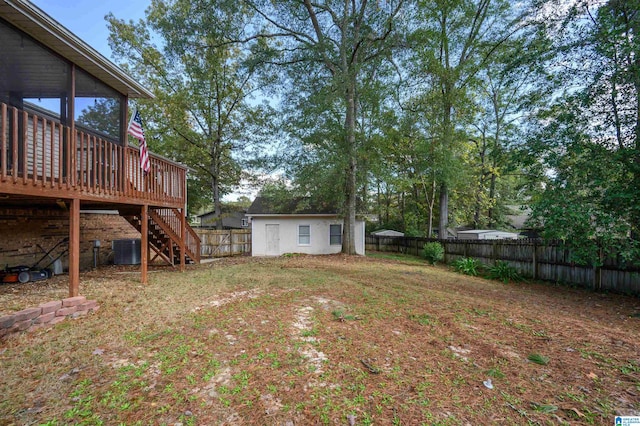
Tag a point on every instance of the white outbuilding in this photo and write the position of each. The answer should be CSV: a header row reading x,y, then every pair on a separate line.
x,y
297,226
486,234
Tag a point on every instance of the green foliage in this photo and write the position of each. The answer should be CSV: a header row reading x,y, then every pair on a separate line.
x,y
457,42
496,372
467,266
504,272
330,104
340,315
103,115
585,152
433,252
201,115
584,200
423,319
538,359
544,408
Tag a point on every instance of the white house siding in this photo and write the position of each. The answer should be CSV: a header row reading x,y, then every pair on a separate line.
x,y
47,148
287,229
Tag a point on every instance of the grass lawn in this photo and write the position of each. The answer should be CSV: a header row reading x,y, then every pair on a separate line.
x,y
324,340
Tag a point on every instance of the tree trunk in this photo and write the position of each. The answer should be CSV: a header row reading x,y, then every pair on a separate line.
x,y
387,204
482,146
476,210
214,169
448,146
349,241
379,200
444,211
217,203
431,198
492,195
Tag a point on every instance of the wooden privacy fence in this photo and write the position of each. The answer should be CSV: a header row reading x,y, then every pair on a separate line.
x,y
214,243
548,261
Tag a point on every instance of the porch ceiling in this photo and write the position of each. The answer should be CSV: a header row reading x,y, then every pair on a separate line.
x,y
35,22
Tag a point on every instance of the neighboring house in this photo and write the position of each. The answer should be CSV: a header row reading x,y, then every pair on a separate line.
x,y
64,148
230,220
297,226
486,234
520,222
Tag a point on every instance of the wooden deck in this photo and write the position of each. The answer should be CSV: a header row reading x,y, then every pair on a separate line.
x,y
47,165
42,158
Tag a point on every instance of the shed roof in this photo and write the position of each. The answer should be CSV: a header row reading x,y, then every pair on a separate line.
x,y
230,219
34,21
295,206
477,231
489,232
388,233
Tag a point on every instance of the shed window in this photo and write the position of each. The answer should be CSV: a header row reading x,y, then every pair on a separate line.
x,y
304,234
335,234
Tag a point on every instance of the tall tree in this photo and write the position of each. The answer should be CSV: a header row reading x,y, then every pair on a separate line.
x,y
202,112
509,88
586,148
616,92
327,46
457,40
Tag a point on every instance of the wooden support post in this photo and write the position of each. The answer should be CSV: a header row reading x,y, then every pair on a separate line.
x,y
183,238
71,122
144,243
74,247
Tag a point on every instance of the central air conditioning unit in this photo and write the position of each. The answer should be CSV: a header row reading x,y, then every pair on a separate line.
x,y
126,252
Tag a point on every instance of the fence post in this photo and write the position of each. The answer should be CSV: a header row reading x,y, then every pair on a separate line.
x,y
535,261
494,249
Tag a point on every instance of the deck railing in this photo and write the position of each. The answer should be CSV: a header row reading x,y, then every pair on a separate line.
x,y
40,154
173,220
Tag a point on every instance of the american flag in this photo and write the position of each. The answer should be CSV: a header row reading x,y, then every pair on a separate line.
x,y
135,130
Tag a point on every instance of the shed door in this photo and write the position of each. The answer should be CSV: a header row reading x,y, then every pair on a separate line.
x,y
273,239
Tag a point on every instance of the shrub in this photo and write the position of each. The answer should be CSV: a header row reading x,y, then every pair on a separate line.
x,y
433,252
467,266
503,272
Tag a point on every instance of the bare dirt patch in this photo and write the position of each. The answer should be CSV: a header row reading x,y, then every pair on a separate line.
x,y
329,340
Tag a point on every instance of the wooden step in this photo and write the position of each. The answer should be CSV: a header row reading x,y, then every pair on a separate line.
x,y
159,238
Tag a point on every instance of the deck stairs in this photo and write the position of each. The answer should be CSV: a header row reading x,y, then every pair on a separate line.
x,y
165,229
